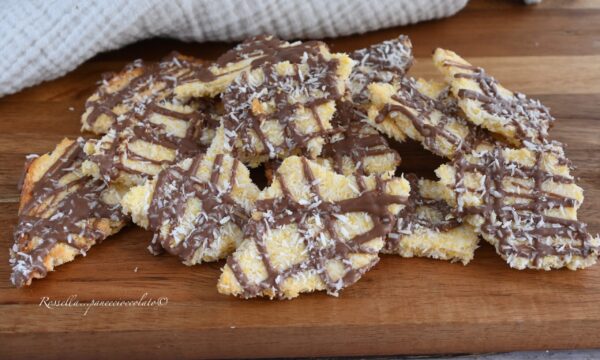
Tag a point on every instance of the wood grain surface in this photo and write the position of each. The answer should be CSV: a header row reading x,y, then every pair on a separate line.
x,y
403,306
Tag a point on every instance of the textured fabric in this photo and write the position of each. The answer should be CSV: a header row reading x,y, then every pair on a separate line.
x,y
44,39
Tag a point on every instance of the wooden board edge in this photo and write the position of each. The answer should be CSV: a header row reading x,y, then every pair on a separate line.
x,y
259,342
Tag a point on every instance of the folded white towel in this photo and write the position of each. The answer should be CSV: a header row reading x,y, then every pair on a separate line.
x,y
44,39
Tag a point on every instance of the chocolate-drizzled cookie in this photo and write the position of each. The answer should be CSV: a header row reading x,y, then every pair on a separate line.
x,y
139,145
138,84
250,54
313,230
282,109
428,227
422,111
385,62
196,209
356,147
487,103
62,213
524,202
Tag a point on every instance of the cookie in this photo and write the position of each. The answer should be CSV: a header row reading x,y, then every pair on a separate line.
x,y
62,213
196,209
283,109
385,62
139,145
487,103
313,230
427,227
524,202
356,147
136,85
422,111
251,54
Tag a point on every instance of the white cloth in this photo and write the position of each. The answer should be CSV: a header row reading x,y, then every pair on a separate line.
x,y
44,39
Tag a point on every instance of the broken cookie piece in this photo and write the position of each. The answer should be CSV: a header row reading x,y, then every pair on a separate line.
x,y
136,85
196,209
427,227
139,145
313,230
422,111
356,147
283,109
62,213
385,62
487,103
524,202
250,54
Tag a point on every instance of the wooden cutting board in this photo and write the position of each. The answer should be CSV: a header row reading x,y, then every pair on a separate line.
x,y
403,306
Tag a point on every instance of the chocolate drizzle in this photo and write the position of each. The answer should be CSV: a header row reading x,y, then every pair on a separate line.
x,y
173,188
153,83
358,142
279,212
521,228
151,92
530,119
58,213
138,126
384,62
313,82
411,219
419,109
268,49
263,49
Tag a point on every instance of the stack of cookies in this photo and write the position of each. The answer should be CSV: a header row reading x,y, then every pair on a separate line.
x,y
176,141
